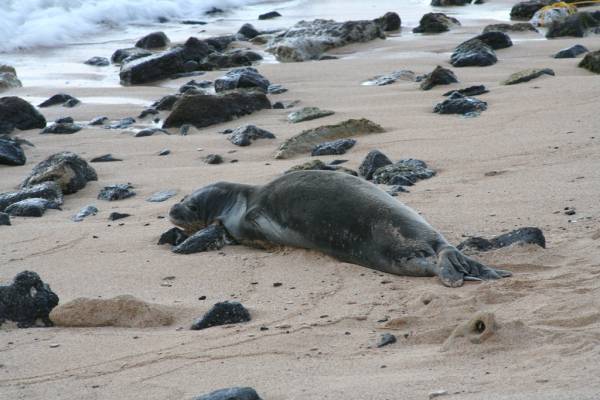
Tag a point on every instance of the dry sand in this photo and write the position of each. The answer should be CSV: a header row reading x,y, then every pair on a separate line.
x,y
543,136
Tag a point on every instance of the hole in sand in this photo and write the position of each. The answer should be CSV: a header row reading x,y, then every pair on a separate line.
x,y
479,326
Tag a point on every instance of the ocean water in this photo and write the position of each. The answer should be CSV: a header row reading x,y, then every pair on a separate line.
x,y
31,24
46,23
47,41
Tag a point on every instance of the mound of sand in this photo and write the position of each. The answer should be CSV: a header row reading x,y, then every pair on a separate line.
x,y
121,311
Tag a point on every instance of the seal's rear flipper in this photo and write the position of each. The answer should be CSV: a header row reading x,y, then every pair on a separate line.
x,y
454,268
214,237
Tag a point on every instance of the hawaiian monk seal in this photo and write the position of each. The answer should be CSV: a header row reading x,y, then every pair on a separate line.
x,y
338,214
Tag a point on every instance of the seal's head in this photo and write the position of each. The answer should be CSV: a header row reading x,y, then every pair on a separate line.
x,y
204,206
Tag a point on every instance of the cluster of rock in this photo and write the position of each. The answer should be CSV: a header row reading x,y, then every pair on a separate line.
x,y
377,167
578,25
48,191
239,92
141,66
60,174
309,40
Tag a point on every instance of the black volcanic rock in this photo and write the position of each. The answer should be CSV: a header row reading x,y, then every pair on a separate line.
x,y
435,23
205,110
18,113
62,98
242,78
439,76
571,52
26,300
457,103
390,21
67,169
222,314
577,25
374,160
234,393
528,235
526,9
154,40
269,15
11,152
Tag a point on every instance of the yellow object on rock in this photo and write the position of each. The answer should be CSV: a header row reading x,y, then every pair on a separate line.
x,y
554,12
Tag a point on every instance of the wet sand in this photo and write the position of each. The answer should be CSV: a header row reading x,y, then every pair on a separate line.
x,y
541,136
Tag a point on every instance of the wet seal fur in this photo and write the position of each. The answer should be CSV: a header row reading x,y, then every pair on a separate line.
x,y
338,214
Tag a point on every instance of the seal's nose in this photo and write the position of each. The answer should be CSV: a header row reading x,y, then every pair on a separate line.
x,y
177,213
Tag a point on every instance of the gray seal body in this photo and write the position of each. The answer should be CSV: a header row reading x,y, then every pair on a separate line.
x,y
338,214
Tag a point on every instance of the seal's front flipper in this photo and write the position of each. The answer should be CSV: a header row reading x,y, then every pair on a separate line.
x,y
173,236
214,237
454,268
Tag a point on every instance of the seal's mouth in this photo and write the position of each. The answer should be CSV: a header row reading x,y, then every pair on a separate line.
x,y
182,216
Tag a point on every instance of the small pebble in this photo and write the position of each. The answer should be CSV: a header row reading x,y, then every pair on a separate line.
x,y
438,393
385,339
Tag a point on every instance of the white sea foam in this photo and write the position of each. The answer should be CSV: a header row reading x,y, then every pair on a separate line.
x,y
48,23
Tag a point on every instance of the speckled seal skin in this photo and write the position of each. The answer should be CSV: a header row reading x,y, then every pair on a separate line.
x,y
338,214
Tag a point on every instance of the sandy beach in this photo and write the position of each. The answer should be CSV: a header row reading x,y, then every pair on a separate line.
x,y
541,138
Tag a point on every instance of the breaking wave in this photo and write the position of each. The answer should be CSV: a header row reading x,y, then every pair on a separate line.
x,y
49,23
